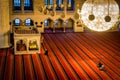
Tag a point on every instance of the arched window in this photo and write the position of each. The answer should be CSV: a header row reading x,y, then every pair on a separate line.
x,y
28,5
17,22
56,23
59,2
70,5
17,5
46,23
28,22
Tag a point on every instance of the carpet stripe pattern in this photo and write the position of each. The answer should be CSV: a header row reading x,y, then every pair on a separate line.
x,y
71,56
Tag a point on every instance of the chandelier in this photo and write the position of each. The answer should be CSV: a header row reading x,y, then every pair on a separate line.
x,y
100,15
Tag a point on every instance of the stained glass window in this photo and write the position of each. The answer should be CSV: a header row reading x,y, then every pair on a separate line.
x,y
28,22
59,2
49,2
28,5
17,22
26,2
70,5
17,5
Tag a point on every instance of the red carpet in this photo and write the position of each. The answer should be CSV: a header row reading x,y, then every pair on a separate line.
x,y
71,56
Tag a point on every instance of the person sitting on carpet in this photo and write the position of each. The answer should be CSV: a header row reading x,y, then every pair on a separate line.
x,y
100,66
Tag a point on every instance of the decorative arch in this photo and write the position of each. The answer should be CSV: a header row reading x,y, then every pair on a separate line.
x,y
48,23
48,19
69,25
69,22
59,23
59,19
70,19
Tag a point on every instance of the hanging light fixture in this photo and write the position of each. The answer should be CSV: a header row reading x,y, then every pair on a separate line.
x,y
49,7
77,13
102,17
61,6
108,18
91,16
45,9
69,5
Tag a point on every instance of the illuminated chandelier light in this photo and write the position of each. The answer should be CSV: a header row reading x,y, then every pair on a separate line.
x,y
105,17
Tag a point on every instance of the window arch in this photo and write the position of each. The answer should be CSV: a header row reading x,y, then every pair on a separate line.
x,y
28,22
17,22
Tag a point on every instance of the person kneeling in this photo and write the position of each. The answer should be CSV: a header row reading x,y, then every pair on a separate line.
x,y
101,66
